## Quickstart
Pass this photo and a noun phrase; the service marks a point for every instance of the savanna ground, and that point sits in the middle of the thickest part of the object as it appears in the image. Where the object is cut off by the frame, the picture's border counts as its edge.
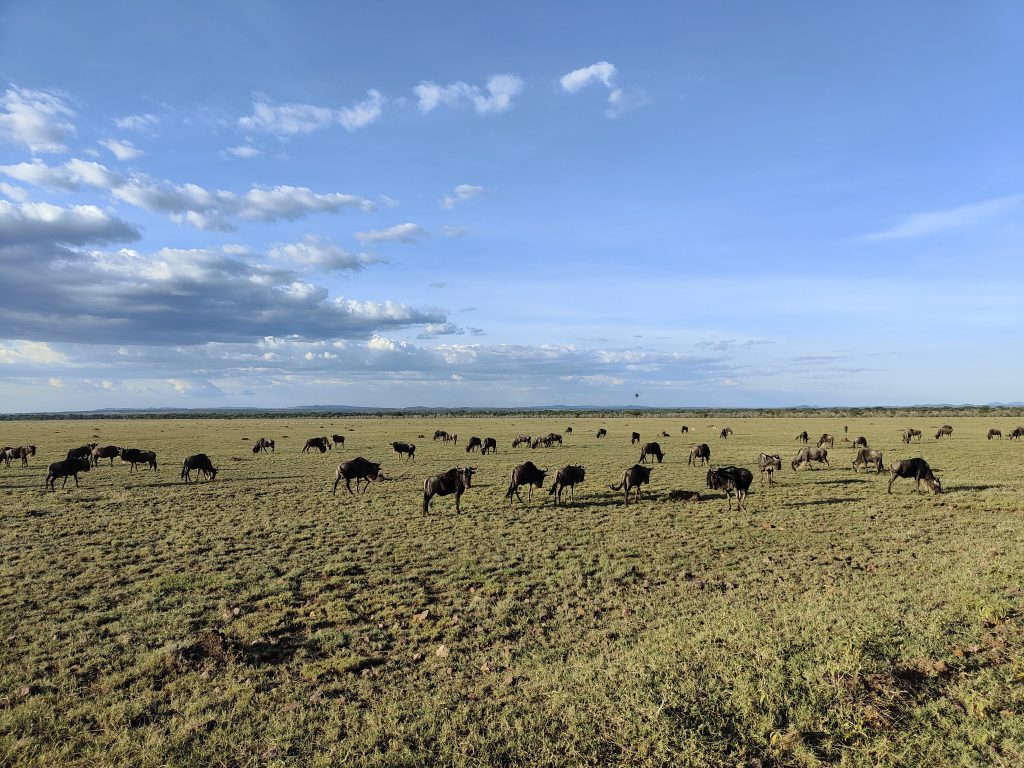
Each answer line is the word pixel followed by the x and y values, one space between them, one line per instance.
pixel 259 620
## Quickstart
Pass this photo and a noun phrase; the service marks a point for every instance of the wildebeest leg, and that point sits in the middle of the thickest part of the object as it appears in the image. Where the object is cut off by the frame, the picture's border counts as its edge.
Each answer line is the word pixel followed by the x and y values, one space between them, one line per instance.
pixel 740 496
pixel 76 480
pixel 458 497
pixel 892 477
pixel 516 491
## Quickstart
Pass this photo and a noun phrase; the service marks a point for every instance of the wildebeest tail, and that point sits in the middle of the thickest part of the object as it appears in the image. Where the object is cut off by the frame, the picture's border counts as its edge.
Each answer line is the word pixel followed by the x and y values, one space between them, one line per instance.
pixel 617 487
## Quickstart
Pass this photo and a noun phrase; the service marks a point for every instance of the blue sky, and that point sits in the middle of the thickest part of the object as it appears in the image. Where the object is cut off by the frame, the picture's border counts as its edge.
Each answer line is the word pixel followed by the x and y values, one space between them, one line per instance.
pixel 736 204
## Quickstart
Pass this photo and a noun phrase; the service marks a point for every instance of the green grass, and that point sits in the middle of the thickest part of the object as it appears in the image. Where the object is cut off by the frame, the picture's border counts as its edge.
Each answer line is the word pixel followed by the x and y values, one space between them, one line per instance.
pixel 832 624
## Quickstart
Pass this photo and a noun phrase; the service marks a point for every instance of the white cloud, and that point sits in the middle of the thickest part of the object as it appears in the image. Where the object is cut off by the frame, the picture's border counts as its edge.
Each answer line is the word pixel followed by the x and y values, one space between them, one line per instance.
pixel 400 233
pixel 244 151
pixel 315 253
pixel 31 352
pixel 55 383
pixel 39 120
pixel 41 223
pixel 462 192
pixel 136 122
pixel 605 74
pixel 295 119
pixel 362 113
pixel 961 217
pixel 14 193
pixel 122 150
pixel 69 176
pixel 496 96
pixel 433 330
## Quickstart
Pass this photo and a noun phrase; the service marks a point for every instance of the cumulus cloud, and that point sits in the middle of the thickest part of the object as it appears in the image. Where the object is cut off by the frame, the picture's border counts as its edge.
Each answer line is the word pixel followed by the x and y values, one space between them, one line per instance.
pixel 316 254
pixel 30 352
pixel 42 223
pixel 433 330
pixel 296 119
pixel 462 192
pixel 70 176
pixel 400 233
pixel 39 120
pixel 605 74
pixel 136 122
pixel 122 150
pixel 496 96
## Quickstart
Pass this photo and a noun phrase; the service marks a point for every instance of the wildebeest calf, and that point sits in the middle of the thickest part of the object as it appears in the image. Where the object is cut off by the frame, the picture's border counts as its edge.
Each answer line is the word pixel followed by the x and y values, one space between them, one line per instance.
pixel 651 449
pixel 808 455
pixel 567 477
pixel 358 469
pixel 67 468
pixel 768 463
pixel 732 480
pixel 919 470
pixel 455 481
pixel 201 463
pixel 634 477
pixel 867 456
pixel 525 474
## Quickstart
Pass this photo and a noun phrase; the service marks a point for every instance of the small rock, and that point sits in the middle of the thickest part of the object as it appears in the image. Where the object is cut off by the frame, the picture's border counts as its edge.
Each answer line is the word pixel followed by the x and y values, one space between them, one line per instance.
pixel 417 656
pixel 422 615
pixel 26 690
pixel 442 652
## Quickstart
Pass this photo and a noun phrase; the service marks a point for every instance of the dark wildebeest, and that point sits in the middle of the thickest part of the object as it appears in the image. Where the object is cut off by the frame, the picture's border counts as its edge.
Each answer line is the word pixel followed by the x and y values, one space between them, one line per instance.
pixel 827 438
pixel 134 456
pixel 337 439
pixel 846 429
pixel 201 463
pixel 106 452
pixel 568 430
pixel 665 434
pixel 995 433
pixel 83 452
pixel 23 452
pixel 406 449
pixel 525 474
pixel 732 480
pixel 685 429
pixel 536 441
pixel 263 444
pixel 67 468
pixel 917 469
pixel 725 433
pixel 602 432
pixel 522 440
pixel 867 456
pixel 803 437
pixel 914 433
pixel 490 445
pixel 860 442
pixel 359 469
pixel 1017 433
pixel 320 443
pixel 635 438
pixel 683 496
pixel 455 481
pixel 440 433
pixel 473 444
pixel 552 438
pixel 651 449
pixel 944 430
pixel 700 452
pixel 768 463
pixel 632 478
pixel 808 455
pixel 906 436
pixel 5 455
pixel 567 477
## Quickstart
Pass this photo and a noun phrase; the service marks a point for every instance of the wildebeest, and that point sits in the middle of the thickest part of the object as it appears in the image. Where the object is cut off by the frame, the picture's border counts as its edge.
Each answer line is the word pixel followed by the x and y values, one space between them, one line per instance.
pixel 490 445
pixel 263 444
pixel 808 455
pixel 906 436
pixel 453 439
pixel 768 463
pixel 684 429
pixel 635 438
pixel 22 452
pixel 1017 433
pixel 404 449
pixel 322 444
pixel 827 438
pixel 919 470
pixel 683 496
pixel 358 469
pixel 860 442
pixel 105 452
pixel 602 432
pixel 552 438
pixel 846 429
pixel 525 474
pixel 700 452
pixel 946 430
pixel 521 440
pixel 867 456
pixel 201 463
pixel 82 452
pixel 536 441
pixel 455 481
pixel 912 433
pixel 732 480
pixel 67 468
pixel 135 456
pixel 725 433
pixel 634 477
pixel 567 477
pixel 803 437
pixel 473 444
pixel 665 434
pixel 440 434
pixel 995 433
pixel 651 449
pixel 337 439
pixel 568 430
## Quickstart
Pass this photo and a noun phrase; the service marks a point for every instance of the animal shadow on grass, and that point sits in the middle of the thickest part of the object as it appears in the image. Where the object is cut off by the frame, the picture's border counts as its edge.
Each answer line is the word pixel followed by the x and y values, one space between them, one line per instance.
pixel 833 500
pixel 970 488
pixel 848 480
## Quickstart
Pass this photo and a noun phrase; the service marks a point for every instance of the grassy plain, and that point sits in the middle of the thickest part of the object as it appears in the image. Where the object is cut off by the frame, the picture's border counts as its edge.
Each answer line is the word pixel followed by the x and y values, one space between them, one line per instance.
pixel 258 620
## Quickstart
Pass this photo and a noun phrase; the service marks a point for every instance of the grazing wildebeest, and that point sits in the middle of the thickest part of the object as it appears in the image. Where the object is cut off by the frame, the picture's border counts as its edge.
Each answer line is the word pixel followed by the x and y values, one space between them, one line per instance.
pixel 917 469
pixel 685 429
pixel 106 452
pixel 453 439
pixel 263 444
pixel 944 430
pixel 568 430
pixel 521 440
pixel 1017 433
pixel 23 452
pixel 808 455
pixel 473 444
pixel 860 442
pixel 732 480
pixel 995 433
pixel 602 432
pixel 201 463
pixel 455 481
pixel 725 433
pixel 632 478
pixel 914 433
pixel 867 456
pixel 440 433
pixel 406 449
pixel 768 463
pixel 490 445
pixel 567 477
pixel 358 469
pixel 135 456
pixel 827 438
pixel 683 496
pixel 525 474
pixel 803 437
pixel 338 440
pixel 536 441
pixel 701 452
pixel 552 438
pixel 320 443
pixel 635 438
pixel 906 436
pixel 651 449
pixel 67 468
